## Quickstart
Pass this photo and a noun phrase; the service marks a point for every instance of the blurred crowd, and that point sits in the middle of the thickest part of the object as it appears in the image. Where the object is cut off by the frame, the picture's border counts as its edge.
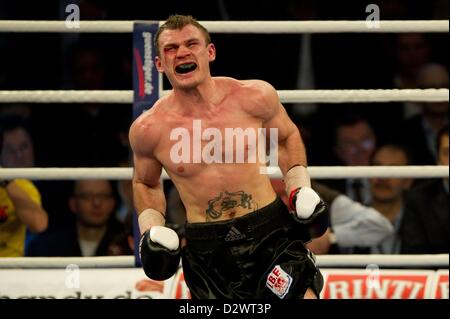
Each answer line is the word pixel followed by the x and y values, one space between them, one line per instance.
pixel 95 217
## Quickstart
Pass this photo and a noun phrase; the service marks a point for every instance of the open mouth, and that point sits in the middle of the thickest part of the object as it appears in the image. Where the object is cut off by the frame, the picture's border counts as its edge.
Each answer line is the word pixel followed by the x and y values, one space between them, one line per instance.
pixel 185 68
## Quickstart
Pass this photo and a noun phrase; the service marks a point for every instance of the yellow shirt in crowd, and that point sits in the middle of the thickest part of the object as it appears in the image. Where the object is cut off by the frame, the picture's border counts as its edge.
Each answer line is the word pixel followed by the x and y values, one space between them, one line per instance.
pixel 12 230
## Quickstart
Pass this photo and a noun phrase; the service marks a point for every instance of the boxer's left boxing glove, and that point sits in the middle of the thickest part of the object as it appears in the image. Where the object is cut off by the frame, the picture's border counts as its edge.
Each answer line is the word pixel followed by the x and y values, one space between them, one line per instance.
pixel 160 252
pixel 310 210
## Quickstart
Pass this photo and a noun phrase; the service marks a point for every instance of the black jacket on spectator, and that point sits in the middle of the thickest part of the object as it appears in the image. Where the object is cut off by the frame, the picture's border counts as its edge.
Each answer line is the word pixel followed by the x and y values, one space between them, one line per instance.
pixel 64 242
pixel 425 227
pixel 414 138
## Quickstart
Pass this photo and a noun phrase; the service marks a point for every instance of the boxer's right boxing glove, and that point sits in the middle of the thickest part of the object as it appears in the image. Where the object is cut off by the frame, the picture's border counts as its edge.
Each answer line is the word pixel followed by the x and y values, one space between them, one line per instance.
pixel 160 252
pixel 310 210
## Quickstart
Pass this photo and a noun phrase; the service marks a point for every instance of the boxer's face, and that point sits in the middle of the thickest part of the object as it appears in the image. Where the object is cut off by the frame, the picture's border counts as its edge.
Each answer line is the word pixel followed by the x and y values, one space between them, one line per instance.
pixel 185 56
pixel 389 189
pixel 93 202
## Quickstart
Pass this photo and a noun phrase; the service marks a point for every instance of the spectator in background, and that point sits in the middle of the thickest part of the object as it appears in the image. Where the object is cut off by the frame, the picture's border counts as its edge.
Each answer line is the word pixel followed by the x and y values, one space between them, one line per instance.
pixel 425 227
pixel 412 52
pixel 123 242
pixel 93 202
pixel 388 196
pixel 98 143
pixel 19 151
pixel 420 131
pixel 20 201
pixel 22 110
pixel 355 143
pixel 93 134
pixel 125 191
pixel 17 145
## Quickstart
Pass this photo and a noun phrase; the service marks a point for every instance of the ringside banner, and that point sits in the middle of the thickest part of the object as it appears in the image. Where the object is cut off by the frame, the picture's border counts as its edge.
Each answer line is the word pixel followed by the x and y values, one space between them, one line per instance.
pixel 131 283
pixel 145 84
pixel 127 283
pixel 440 286
pixel 385 284
pixel 145 75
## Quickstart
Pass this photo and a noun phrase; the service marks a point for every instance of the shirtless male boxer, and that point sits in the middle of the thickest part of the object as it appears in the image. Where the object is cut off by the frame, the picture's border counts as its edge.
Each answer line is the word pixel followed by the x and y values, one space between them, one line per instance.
pixel 241 240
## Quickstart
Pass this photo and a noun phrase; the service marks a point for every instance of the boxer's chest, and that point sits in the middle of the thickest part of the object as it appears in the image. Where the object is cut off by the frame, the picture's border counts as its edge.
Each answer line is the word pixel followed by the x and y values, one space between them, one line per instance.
pixel 189 144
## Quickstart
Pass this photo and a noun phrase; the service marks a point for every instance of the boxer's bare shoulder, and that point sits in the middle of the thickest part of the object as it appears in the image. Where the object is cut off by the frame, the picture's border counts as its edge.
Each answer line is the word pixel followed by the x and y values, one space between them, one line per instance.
pixel 146 129
pixel 260 98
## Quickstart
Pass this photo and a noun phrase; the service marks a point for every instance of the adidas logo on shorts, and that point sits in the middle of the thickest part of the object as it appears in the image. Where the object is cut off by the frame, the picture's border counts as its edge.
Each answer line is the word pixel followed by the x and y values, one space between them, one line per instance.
pixel 234 234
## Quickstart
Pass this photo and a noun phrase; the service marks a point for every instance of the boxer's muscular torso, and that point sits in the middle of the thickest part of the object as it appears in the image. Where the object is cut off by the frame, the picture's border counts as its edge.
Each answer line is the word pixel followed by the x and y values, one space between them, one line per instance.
pixel 215 191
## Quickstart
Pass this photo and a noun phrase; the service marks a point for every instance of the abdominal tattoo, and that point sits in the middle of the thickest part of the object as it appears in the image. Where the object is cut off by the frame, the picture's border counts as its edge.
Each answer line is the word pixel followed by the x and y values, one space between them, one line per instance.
pixel 227 201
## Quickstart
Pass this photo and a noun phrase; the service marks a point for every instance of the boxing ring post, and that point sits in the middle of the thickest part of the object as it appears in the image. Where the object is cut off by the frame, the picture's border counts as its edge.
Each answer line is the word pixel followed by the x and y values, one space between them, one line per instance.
pixel 146 86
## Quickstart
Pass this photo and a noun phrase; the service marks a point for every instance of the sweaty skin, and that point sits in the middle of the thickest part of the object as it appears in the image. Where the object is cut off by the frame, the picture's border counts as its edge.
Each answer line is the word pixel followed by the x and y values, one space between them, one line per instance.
pixel 215 191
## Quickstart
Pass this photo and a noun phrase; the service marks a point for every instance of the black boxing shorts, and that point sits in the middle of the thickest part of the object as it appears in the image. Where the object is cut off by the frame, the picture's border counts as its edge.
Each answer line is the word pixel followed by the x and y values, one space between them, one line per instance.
pixel 257 256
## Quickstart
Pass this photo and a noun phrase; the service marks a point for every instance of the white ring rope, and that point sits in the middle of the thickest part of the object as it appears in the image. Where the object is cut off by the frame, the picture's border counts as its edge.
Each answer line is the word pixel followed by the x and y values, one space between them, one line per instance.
pixel 66 96
pixel 325 261
pixel 341 26
pixel 286 96
pixel 363 96
pixel 63 262
pixel 319 172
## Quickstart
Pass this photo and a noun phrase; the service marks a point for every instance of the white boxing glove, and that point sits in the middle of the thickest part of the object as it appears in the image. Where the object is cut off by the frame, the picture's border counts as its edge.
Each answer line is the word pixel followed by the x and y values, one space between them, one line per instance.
pixel 310 210
pixel 165 236
pixel 304 201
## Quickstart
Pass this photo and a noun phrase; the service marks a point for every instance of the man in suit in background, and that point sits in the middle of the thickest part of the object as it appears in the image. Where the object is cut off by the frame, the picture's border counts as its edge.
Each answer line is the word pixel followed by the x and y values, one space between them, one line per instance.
pixel 425 224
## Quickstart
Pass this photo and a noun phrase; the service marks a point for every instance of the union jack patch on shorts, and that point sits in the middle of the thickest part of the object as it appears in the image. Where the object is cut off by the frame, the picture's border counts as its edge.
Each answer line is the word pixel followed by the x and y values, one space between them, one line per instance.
pixel 279 281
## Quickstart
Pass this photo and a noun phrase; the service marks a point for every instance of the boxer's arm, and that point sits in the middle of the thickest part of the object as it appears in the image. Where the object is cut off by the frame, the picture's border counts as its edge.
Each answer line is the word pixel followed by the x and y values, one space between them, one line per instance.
pixel 159 247
pixel 291 150
pixel 306 203
pixel 148 195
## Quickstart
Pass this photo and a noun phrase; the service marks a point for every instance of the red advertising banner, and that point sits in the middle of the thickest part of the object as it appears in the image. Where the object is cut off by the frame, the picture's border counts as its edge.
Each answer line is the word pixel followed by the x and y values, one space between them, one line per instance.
pixel 384 284
pixel 440 287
